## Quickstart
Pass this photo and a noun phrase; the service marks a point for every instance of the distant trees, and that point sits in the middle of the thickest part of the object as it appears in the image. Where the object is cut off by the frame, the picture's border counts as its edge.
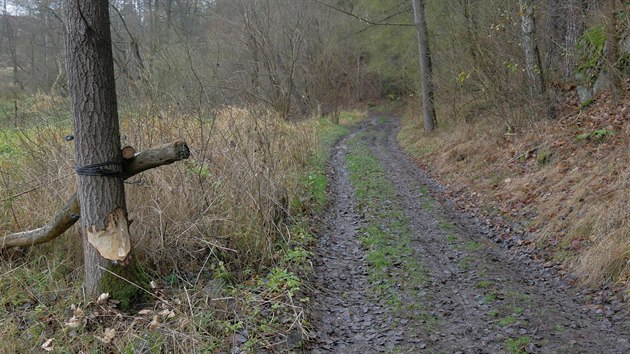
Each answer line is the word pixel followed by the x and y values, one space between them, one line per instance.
pixel 8 35
pixel 296 55
pixel 31 41
pixel 274 34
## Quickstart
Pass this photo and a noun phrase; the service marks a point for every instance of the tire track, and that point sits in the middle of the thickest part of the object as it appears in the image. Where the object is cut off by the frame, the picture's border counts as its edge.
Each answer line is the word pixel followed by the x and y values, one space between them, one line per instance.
pixel 479 298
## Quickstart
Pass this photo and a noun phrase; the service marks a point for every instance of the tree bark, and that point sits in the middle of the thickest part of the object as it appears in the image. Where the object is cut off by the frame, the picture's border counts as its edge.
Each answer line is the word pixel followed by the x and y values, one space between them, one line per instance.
pixel 612 54
pixel 533 66
pixel 426 72
pixel 90 68
pixel 574 10
pixel 530 46
pixel 70 213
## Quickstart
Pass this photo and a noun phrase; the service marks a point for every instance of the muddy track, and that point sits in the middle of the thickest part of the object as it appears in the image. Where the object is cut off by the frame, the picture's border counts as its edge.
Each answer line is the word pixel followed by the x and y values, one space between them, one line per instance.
pixel 477 296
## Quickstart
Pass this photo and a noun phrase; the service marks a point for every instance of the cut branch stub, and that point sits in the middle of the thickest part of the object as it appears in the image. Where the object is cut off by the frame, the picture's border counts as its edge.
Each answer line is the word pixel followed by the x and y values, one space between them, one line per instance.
pixel 70 213
pixel 155 157
pixel 128 152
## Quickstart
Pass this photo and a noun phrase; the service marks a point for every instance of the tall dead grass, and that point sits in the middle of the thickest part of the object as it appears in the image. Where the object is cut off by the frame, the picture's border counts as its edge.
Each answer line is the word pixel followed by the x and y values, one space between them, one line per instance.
pixel 227 202
pixel 609 256
pixel 215 233
pixel 229 199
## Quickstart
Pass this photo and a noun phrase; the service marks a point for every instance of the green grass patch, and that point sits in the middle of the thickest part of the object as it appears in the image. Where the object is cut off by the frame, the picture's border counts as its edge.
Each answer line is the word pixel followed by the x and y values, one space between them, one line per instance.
pixel 393 267
pixel 484 284
pixel 465 264
pixel 516 310
pixel 517 345
pixel 472 245
pixel 489 298
pixel 427 202
pixel 596 135
pixel 516 295
pixel 445 224
pixel 317 184
pixel 451 238
pixel 507 321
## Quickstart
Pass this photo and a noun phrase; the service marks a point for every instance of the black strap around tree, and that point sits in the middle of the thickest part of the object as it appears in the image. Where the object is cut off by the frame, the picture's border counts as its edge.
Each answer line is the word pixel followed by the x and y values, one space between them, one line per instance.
pixel 99 170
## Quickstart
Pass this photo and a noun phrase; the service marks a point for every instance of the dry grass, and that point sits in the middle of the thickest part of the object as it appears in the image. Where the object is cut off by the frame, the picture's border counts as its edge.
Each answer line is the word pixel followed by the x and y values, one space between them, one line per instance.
pixel 228 197
pixel 609 257
pixel 567 180
pixel 215 233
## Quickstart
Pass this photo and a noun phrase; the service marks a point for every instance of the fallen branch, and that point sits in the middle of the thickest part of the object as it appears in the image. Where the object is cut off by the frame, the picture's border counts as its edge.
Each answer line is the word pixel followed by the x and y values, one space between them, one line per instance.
pixel 70 213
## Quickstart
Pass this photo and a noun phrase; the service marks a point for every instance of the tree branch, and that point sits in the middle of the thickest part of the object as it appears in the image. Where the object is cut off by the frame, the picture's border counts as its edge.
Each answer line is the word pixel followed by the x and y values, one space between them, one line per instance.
pixel 70 213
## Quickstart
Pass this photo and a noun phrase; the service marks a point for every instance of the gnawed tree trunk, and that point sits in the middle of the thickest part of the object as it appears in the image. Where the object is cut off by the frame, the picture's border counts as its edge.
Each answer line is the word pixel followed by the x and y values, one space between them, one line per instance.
pixel 90 69
pixel 533 65
pixel 426 72
pixel 71 212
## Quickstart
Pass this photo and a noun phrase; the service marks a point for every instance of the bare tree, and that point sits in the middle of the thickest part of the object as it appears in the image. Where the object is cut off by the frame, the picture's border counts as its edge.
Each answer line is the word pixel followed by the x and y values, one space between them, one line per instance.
pixel 10 34
pixel 574 10
pixel 426 72
pixel 533 65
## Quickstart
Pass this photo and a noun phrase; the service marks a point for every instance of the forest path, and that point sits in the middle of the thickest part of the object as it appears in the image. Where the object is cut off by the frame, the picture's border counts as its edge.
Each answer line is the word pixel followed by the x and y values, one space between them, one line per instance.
pixel 398 272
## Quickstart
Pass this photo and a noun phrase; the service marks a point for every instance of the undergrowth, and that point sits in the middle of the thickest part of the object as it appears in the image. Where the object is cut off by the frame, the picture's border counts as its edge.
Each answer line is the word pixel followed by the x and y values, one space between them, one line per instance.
pixel 224 237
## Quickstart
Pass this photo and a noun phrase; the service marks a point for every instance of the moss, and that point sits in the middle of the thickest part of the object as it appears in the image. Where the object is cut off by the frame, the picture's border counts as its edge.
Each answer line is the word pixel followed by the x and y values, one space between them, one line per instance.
pixel 591 51
pixel 128 285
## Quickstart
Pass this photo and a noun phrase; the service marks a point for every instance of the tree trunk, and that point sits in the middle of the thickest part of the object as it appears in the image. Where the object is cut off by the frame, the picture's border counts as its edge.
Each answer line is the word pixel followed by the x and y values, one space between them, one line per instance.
pixel 574 10
pixel 90 68
pixel 532 57
pixel 426 73
pixel 612 54
pixel 471 31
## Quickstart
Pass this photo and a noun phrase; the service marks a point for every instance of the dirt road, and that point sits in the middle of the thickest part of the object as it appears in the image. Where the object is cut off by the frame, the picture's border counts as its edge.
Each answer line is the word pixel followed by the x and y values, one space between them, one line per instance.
pixel 399 272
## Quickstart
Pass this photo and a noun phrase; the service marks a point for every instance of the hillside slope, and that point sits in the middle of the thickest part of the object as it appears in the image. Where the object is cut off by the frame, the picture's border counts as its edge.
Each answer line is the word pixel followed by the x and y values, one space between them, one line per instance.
pixel 563 185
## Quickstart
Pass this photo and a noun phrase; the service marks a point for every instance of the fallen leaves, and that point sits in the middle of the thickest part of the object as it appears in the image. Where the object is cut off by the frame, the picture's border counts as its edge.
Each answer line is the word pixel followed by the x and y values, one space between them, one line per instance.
pixel 78 318
pixel 167 313
pixel 48 345
pixel 102 299
pixel 108 336
pixel 145 312
pixel 154 323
